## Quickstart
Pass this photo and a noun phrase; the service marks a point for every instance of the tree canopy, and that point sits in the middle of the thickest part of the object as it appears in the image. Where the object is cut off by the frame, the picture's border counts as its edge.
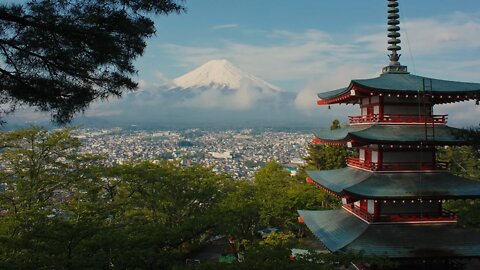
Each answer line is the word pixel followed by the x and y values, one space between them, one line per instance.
pixel 326 157
pixel 60 55
pixel 464 161
pixel 61 209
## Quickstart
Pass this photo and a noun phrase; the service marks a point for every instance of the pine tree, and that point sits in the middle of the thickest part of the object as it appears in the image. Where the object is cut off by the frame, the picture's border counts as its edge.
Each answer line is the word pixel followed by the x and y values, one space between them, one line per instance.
pixel 326 157
pixel 59 56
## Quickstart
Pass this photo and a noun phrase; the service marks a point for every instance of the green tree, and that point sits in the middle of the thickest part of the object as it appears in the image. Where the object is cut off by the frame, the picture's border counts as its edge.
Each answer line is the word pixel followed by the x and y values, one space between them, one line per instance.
pixel 239 212
pixel 64 210
pixel 279 196
pixel 335 124
pixel 465 162
pixel 271 183
pixel 59 56
pixel 326 157
pixel 271 199
pixel 164 209
pixel 279 257
pixel 50 205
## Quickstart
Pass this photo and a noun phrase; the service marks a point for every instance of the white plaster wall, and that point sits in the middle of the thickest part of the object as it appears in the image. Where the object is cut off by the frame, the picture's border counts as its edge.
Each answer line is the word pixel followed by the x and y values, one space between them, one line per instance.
pixel 371 206
pixel 374 156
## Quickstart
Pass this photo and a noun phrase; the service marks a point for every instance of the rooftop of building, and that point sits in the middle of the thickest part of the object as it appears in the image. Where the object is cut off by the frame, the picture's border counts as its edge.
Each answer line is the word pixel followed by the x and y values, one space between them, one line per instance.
pixel 340 231
pixel 375 185
pixel 391 134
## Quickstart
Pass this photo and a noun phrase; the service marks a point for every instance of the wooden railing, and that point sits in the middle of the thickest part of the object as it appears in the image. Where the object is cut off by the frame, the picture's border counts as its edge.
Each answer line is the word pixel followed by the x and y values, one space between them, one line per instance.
pixel 444 215
pixel 359 212
pixel 398 118
pixel 397 166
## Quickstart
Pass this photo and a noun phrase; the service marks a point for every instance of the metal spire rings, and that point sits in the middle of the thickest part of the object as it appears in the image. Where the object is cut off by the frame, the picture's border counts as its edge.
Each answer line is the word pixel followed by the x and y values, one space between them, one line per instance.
pixel 394 39
pixel 393 33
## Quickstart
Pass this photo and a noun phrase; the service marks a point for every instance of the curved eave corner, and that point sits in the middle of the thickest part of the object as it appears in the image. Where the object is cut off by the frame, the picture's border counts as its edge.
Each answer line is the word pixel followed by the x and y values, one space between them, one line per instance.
pixel 341 136
pixel 337 180
pixel 342 95
pixel 402 85
pixel 334 228
pixel 317 140
pixel 343 98
pixel 388 134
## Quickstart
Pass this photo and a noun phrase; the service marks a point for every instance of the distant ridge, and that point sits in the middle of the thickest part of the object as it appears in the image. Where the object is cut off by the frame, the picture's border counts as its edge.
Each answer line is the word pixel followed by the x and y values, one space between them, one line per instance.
pixel 221 74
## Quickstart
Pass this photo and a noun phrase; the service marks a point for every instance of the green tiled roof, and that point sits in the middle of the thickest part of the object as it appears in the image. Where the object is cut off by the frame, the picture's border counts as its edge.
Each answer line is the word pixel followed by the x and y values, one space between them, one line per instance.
pixel 341 231
pixel 338 180
pixel 334 93
pixel 335 228
pixel 417 240
pixel 406 83
pixel 391 134
pixel 364 184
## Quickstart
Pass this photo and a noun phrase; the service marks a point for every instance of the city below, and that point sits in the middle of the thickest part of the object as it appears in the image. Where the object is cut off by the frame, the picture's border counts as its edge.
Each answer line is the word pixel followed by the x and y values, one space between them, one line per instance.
pixel 237 153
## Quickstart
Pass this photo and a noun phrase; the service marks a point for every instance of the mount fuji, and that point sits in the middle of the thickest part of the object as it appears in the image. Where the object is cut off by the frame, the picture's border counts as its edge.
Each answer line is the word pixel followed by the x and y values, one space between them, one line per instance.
pixel 216 94
pixel 221 74
pixel 218 84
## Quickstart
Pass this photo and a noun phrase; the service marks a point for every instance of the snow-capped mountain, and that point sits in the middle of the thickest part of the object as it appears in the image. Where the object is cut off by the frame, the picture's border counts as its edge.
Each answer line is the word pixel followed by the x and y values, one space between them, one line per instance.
pixel 221 74
pixel 216 94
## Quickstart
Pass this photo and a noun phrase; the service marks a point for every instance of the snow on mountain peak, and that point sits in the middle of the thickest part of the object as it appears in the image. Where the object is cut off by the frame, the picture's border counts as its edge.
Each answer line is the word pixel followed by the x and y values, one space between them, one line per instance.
pixel 220 73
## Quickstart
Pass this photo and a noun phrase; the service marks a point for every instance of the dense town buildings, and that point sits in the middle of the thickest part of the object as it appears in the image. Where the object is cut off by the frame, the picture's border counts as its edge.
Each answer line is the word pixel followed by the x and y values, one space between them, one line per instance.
pixel 238 153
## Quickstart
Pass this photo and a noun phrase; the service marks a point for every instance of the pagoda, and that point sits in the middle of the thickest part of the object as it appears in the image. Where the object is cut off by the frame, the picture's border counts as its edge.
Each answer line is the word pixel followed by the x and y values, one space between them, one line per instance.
pixel 393 190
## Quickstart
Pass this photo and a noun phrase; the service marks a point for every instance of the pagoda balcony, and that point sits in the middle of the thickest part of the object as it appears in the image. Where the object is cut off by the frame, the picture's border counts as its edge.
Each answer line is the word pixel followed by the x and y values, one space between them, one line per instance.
pixel 443 216
pixel 397 166
pixel 398 119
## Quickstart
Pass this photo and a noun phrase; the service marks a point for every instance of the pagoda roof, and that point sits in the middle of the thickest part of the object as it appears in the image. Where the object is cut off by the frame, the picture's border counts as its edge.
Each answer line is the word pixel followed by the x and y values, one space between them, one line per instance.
pixel 341 231
pixel 390 134
pixel 376 185
pixel 398 83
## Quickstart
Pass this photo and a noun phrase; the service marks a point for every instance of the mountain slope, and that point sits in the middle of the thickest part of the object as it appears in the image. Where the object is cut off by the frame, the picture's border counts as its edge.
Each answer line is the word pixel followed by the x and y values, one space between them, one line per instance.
pixel 221 74
pixel 216 94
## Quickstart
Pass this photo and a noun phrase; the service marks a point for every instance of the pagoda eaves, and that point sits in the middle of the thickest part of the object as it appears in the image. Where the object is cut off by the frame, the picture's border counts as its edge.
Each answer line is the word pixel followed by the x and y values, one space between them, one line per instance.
pixel 393 189
pixel 391 185
pixel 389 134
pixel 341 231
pixel 404 86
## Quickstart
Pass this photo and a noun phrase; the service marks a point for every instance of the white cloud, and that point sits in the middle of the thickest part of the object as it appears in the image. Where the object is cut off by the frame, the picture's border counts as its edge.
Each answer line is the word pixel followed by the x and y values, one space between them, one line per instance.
pixel 428 36
pixel 335 79
pixel 161 78
pixel 302 55
pixel 242 99
pixel 310 54
pixel 225 26
pixel 142 84
pixel 461 114
pixel 321 62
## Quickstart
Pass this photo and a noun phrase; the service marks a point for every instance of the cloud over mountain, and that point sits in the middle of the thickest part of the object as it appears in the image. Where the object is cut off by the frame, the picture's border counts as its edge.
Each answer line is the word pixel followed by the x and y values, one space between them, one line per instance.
pixel 220 84
pixel 215 94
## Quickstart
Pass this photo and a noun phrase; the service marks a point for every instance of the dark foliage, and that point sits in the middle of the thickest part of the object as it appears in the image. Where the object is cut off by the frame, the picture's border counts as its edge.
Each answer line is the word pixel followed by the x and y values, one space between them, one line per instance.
pixel 326 157
pixel 60 55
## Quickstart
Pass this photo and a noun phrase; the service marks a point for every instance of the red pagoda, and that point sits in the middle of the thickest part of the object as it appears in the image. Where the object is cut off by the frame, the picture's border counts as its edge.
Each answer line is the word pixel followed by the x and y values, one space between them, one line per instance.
pixel 392 193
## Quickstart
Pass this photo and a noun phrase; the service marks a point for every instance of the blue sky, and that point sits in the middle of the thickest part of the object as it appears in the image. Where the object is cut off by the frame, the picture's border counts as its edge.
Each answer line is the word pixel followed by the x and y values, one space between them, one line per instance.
pixel 274 39
pixel 311 46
